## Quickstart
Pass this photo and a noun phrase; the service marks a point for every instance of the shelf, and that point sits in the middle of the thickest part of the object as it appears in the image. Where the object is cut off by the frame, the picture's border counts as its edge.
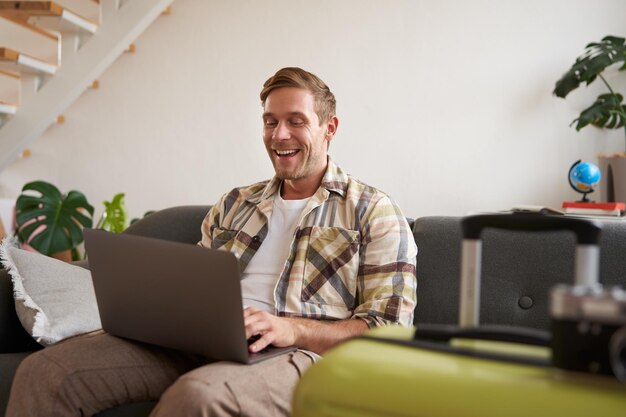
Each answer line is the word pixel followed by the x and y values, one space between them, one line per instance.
pixel 47 14
pixel 14 61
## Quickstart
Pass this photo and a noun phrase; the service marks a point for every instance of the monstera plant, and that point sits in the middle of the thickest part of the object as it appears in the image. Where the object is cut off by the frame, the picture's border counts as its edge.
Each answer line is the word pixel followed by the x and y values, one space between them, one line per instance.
pixel 607 111
pixel 52 222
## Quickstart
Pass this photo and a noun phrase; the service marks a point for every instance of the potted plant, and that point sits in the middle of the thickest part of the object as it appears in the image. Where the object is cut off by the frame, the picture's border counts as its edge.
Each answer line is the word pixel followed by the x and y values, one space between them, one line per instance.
pixel 607 111
pixel 114 218
pixel 52 222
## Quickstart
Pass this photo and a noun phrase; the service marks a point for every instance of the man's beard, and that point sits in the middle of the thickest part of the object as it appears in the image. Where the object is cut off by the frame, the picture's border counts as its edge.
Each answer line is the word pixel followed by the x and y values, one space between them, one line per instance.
pixel 301 171
pixel 290 175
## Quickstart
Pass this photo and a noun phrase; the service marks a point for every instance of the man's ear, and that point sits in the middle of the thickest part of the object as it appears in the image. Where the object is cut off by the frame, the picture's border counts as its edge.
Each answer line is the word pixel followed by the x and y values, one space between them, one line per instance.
pixel 331 128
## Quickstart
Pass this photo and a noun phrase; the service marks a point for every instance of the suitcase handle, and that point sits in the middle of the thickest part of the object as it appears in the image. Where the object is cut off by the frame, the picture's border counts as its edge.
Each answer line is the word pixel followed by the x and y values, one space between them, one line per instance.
pixel 457 350
pixel 511 334
pixel 587 231
pixel 587 252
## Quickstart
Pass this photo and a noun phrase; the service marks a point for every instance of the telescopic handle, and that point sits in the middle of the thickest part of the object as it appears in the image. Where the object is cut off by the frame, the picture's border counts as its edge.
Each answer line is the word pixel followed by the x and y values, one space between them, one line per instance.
pixel 587 231
pixel 587 251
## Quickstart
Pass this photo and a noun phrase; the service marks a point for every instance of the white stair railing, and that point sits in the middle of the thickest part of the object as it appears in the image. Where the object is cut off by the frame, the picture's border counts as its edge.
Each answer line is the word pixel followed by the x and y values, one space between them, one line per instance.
pixel 87 49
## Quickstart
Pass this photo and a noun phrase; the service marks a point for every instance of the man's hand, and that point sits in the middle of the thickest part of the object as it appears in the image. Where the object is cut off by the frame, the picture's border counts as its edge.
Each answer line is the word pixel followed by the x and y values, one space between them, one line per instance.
pixel 277 331
pixel 314 335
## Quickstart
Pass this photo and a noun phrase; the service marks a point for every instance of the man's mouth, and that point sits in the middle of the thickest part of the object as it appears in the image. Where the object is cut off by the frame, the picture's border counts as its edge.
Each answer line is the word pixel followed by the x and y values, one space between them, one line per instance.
pixel 286 153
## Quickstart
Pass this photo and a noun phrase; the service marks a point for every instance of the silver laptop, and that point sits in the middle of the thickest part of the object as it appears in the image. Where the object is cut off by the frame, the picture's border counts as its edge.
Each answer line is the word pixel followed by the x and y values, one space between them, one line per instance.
pixel 171 294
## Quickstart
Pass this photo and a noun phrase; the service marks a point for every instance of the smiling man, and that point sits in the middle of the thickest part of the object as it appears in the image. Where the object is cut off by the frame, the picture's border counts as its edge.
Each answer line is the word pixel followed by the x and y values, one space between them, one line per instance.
pixel 297 139
pixel 323 257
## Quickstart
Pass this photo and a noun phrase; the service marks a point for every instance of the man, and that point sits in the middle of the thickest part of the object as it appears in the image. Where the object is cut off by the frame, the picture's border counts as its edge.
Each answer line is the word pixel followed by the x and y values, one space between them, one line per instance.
pixel 323 257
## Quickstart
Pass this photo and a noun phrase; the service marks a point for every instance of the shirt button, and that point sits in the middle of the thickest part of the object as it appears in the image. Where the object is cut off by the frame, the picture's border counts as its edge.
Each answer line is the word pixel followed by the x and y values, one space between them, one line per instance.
pixel 256 239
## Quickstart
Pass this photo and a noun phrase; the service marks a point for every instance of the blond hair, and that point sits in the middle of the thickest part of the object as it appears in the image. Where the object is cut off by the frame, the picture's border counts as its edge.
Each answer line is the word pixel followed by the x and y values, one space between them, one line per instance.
pixel 325 104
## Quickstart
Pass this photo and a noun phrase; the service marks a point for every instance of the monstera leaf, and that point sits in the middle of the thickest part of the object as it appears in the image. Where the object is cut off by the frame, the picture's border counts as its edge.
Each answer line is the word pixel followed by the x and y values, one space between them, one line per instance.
pixel 608 110
pixel 114 217
pixel 597 57
pixel 49 221
pixel 604 113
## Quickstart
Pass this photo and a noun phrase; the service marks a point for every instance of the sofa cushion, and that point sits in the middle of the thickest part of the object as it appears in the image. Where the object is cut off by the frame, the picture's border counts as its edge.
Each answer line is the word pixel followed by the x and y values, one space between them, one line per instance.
pixel 54 300
pixel 178 224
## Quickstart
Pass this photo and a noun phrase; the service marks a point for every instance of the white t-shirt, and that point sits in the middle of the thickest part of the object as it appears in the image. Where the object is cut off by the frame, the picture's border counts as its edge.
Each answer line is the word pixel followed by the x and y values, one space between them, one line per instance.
pixel 262 273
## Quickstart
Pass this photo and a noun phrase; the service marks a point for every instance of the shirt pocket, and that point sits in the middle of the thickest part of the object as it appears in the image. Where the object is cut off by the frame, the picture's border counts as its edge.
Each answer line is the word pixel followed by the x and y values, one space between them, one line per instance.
pixel 223 238
pixel 331 267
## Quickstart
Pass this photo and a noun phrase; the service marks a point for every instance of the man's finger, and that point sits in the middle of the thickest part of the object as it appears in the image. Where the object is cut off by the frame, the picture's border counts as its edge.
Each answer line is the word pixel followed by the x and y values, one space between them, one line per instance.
pixel 250 311
pixel 261 344
pixel 256 324
pixel 254 318
pixel 254 329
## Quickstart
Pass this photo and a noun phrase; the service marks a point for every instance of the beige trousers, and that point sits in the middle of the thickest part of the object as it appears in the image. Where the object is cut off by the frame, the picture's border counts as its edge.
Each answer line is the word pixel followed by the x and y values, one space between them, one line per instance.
pixel 88 374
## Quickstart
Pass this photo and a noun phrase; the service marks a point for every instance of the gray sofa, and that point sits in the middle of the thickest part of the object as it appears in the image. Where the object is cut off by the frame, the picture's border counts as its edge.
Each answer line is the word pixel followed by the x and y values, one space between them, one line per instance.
pixel 518 270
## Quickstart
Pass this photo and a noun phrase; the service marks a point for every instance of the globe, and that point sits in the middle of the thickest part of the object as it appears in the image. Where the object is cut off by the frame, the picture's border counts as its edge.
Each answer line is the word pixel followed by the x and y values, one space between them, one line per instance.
pixel 584 176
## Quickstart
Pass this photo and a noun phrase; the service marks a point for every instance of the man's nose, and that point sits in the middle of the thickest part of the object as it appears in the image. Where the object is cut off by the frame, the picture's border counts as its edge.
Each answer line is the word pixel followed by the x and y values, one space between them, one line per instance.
pixel 281 132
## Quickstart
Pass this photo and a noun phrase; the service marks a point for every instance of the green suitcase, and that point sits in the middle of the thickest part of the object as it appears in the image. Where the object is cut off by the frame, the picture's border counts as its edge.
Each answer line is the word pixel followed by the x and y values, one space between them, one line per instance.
pixel 471 370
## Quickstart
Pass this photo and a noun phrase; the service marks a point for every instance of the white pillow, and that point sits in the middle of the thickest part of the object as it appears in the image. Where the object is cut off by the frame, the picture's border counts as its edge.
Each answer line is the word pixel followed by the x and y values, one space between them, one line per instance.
pixel 54 300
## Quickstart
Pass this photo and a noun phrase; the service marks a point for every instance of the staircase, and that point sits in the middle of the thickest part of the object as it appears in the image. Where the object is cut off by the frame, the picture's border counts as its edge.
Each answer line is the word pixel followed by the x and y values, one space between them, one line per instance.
pixel 85 49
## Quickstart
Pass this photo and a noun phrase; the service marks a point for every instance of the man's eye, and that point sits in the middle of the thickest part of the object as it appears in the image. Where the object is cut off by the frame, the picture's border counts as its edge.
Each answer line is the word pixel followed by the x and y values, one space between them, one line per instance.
pixel 296 122
pixel 270 123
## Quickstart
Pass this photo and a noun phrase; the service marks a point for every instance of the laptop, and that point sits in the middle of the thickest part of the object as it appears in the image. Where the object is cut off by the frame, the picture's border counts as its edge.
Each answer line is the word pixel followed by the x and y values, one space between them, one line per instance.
pixel 171 294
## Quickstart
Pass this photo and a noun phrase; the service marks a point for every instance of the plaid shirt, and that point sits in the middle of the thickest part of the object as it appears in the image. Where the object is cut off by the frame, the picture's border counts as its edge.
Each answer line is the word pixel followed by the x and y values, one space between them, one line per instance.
pixel 352 255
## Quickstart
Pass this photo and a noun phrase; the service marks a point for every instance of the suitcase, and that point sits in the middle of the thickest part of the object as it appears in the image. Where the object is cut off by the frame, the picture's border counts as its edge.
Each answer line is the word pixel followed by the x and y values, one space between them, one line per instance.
pixel 473 370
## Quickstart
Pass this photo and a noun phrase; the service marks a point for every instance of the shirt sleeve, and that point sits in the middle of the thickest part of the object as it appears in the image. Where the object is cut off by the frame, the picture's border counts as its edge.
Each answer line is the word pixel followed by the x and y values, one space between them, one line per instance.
pixel 210 222
pixel 386 281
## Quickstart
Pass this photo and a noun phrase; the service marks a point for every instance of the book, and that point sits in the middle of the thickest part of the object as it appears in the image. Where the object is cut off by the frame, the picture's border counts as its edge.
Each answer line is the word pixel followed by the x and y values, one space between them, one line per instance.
pixel 596 209
pixel 594 205
pixel 525 208
pixel 594 212
pixel 546 210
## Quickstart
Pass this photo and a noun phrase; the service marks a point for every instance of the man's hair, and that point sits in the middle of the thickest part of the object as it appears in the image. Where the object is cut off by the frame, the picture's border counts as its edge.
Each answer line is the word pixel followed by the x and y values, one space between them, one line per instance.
pixel 297 77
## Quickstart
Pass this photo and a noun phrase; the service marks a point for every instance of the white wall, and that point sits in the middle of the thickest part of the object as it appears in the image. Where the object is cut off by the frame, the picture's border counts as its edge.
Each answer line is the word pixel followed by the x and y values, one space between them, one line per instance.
pixel 446 105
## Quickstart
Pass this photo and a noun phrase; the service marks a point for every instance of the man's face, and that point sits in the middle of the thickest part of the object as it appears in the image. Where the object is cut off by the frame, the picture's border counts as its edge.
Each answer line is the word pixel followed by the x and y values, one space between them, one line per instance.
pixel 296 143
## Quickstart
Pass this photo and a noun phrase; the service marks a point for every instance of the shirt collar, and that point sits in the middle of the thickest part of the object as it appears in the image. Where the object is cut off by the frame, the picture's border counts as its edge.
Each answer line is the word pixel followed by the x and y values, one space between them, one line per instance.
pixel 334 180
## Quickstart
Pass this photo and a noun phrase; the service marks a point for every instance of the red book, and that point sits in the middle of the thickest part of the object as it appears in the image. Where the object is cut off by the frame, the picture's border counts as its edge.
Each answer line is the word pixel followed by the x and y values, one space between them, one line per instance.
pixel 601 209
pixel 590 205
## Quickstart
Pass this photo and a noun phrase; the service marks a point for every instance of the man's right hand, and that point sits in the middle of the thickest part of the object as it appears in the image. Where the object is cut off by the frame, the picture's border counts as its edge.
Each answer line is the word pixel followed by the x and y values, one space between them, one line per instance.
pixel 315 335
pixel 277 331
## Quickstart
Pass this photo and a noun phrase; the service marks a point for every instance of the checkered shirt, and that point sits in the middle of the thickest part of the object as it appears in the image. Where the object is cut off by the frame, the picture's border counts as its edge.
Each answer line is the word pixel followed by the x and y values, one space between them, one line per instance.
pixel 352 255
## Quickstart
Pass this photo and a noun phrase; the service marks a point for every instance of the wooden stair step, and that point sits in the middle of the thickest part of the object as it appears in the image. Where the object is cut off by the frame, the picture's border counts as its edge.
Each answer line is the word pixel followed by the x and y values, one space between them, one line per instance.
pixel 47 14
pixel 9 74
pixel 16 62
pixel 7 108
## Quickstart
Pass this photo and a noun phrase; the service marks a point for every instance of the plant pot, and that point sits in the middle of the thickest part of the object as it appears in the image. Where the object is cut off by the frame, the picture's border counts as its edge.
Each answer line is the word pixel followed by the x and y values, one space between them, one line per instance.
pixel 65 256
pixel 613 183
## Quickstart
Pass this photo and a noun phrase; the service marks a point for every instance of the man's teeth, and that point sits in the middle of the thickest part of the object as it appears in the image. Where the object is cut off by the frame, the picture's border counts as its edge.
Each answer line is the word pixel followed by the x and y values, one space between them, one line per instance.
pixel 285 153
